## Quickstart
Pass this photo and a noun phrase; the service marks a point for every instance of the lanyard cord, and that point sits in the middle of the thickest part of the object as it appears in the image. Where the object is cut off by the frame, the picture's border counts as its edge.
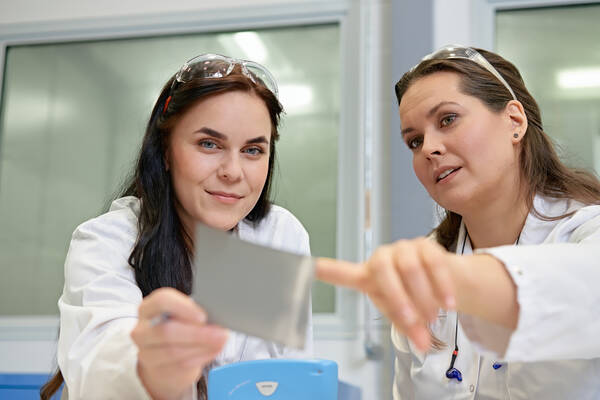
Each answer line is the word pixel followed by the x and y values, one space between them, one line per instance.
pixel 455 352
pixel 453 372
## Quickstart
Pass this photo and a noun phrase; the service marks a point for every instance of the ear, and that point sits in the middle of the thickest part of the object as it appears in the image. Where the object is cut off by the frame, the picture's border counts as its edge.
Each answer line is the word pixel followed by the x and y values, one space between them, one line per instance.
pixel 517 119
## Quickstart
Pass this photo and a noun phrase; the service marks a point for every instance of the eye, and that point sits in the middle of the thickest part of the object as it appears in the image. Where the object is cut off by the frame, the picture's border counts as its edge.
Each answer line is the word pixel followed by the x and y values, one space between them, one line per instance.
pixel 254 151
pixel 207 144
pixel 447 120
pixel 414 142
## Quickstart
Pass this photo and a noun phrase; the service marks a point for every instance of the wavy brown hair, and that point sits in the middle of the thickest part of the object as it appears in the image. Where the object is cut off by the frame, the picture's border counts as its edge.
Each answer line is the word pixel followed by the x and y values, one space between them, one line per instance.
pixel 161 256
pixel 540 166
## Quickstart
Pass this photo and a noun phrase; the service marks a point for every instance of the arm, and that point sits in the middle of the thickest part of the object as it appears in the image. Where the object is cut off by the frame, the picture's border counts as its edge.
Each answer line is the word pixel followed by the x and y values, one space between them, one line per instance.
pixel 485 289
pixel 410 280
pixel 99 315
pixel 98 310
pixel 556 290
pixel 556 287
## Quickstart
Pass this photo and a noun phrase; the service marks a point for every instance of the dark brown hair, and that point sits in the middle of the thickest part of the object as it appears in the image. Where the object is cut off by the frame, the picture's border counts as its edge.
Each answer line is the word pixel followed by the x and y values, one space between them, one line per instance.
pixel 162 253
pixel 541 168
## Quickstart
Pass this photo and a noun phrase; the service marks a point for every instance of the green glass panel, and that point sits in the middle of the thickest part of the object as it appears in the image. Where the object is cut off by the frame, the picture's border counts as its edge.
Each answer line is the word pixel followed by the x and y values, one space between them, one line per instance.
pixel 72 118
pixel 556 50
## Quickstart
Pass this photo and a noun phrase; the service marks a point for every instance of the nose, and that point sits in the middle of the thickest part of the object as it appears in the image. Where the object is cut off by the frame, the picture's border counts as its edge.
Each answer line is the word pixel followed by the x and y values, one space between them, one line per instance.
pixel 230 168
pixel 433 144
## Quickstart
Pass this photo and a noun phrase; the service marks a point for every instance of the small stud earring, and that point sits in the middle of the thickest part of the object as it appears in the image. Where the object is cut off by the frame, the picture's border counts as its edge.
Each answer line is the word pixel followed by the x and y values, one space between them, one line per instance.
pixel 516 135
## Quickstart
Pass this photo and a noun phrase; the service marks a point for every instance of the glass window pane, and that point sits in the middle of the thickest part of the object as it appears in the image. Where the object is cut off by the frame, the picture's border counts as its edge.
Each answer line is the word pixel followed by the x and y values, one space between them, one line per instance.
pixel 72 118
pixel 556 50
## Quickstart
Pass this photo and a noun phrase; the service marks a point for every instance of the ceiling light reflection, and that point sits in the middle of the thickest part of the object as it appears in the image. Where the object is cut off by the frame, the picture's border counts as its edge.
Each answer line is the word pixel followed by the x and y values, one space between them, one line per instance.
pixel 252 45
pixel 296 97
pixel 579 78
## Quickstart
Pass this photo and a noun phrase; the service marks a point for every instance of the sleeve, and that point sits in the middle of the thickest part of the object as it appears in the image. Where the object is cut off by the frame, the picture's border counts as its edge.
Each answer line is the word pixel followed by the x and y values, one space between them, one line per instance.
pixel 98 308
pixel 558 296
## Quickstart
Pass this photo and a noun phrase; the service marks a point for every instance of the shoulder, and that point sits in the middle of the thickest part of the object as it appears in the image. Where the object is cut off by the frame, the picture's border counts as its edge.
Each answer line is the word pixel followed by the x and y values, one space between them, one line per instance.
pixel 103 244
pixel 582 222
pixel 282 218
pixel 120 220
pixel 585 224
pixel 279 229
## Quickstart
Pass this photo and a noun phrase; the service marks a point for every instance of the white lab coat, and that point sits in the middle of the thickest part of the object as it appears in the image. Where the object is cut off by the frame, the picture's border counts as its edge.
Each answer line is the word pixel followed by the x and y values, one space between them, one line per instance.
pixel 555 351
pixel 100 300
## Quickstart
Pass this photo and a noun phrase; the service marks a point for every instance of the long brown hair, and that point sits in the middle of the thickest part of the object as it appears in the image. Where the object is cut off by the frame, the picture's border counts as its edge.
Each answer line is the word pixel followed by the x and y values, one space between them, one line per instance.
pixel 162 253
pixel 540 166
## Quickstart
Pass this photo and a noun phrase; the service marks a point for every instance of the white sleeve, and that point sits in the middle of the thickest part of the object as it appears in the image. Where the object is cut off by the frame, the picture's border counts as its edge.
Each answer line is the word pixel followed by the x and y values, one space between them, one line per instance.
pixel 99 308
pixel 558 296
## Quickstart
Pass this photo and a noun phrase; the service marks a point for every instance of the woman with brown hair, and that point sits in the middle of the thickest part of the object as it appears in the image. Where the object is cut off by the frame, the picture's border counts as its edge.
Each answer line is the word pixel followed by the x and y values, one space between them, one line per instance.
pixel 207 156
pixel 501 301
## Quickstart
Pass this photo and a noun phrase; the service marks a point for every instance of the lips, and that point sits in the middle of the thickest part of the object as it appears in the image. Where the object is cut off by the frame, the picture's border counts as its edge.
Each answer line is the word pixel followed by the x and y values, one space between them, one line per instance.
pixel 225 194
pixel 444 172
pixel 225 197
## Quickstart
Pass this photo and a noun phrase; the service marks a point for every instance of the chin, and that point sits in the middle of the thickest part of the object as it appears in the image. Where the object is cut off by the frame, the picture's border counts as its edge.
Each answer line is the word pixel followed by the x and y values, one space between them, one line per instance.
pixel 224 221
pixel 450 203
pixel 222 225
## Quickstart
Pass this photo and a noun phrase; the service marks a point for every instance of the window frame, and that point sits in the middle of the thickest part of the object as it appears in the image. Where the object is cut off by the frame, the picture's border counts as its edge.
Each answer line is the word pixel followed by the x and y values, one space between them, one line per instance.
pixel 483 18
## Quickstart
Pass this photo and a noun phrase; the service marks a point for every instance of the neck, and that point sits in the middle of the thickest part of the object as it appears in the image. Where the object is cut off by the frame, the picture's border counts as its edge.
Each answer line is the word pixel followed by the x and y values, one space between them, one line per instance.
pixel 499 223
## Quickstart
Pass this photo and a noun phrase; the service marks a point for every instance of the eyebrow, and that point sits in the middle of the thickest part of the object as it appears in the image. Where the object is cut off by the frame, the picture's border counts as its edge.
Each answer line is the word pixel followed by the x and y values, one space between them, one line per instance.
pixel 432 111
pixel 218 135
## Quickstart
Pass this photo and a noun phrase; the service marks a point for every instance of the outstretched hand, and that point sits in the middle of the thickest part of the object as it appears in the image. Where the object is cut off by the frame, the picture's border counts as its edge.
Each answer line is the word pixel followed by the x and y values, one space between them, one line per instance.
pixel 408 281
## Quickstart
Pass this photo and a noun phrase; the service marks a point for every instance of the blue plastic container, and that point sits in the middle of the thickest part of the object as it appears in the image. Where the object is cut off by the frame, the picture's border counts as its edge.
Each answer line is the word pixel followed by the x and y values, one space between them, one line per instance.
pixel 274 379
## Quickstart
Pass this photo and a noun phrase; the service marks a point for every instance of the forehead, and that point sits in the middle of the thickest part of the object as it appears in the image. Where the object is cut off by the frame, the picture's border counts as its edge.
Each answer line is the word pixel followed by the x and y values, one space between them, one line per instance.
pixel 431 90
pixel 235 112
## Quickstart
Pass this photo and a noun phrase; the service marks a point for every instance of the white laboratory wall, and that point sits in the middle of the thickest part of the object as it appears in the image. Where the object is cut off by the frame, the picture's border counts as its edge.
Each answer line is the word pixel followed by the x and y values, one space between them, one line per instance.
pixel 372 19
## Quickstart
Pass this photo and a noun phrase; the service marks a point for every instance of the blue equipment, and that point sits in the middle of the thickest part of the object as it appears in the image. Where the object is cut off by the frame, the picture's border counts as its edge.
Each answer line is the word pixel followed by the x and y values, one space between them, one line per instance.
pixel 274 379
pixel 24 386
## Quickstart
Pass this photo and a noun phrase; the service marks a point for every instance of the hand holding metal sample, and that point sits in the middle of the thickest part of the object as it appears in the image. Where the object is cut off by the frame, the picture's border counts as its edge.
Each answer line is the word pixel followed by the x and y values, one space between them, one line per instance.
pixel 251 288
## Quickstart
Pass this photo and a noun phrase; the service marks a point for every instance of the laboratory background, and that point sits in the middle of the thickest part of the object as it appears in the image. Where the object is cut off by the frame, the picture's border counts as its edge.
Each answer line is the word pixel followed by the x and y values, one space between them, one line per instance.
pixel 79 78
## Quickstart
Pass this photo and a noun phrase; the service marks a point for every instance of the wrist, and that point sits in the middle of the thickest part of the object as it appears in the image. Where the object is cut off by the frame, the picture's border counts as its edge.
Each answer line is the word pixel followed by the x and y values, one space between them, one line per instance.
pixel 465 282
pixel 155 393
pixel 485 289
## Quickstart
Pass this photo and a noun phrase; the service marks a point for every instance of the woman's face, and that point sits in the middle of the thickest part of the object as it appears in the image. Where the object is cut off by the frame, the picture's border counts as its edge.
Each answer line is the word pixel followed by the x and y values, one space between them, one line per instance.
pixel 218 158
pixel 464 154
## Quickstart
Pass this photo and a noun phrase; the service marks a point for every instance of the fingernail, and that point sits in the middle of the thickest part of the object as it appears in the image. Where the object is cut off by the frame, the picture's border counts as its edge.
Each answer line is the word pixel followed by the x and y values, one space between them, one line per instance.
pixel 450 303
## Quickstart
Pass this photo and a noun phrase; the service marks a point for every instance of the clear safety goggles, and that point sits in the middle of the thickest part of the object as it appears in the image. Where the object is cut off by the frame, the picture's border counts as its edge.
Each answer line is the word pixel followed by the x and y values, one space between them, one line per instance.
pixel 456 51
pixel 218 66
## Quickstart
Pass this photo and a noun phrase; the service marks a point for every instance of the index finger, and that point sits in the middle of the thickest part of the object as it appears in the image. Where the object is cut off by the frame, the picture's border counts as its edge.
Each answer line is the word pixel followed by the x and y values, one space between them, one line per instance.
pixel 172 302
pixel 337 272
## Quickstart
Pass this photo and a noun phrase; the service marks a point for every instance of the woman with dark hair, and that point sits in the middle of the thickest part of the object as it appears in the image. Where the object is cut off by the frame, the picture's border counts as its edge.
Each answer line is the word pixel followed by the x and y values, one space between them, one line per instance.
pixel 207 156
pixel 500 302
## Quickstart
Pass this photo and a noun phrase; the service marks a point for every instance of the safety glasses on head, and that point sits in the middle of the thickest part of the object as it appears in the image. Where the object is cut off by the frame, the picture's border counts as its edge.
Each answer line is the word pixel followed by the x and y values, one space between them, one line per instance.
pixel 468 53
pixel 218 66
pixel 207 66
